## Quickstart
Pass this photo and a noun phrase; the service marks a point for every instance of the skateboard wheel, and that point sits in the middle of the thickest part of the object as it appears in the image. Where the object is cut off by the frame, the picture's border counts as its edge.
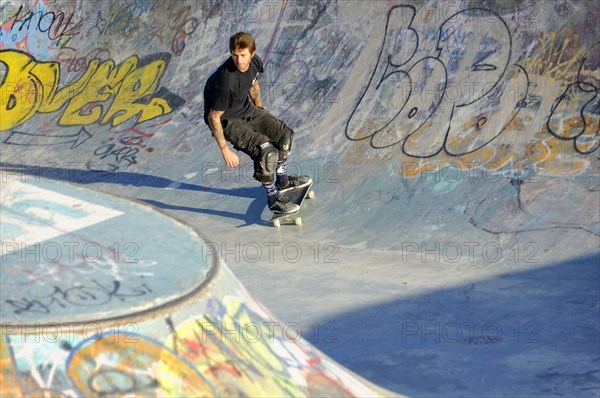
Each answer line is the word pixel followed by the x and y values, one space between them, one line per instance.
pixel 277 223
pixel 298 221
pixel 311 194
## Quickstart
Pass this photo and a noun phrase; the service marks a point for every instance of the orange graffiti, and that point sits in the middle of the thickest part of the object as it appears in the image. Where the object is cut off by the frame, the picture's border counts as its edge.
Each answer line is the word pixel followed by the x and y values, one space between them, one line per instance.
pixel 244 356
pixel 234 354
pixel 9 383
pixel 113 366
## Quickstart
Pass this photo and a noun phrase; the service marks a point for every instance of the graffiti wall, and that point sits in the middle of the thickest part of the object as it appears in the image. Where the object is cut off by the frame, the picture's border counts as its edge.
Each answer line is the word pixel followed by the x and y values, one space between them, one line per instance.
pixel 475 86
pixel 507 84
pixel 59 74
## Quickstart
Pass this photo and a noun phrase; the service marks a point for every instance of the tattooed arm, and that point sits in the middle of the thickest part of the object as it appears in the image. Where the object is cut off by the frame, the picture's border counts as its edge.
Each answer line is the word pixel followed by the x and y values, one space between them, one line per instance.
pixel 255 94
pixel 230 157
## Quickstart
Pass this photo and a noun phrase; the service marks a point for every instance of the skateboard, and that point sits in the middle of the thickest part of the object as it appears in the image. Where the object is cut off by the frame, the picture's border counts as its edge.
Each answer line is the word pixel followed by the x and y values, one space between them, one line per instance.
pixel 297 196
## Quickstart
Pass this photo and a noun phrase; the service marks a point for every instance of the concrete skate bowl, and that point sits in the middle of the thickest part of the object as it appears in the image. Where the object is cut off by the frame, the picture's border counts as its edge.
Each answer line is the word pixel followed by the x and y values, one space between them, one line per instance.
pixel 454 148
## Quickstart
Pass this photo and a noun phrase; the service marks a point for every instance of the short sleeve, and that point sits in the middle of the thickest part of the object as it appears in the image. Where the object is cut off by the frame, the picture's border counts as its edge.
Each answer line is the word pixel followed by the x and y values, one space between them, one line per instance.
pixel 258 64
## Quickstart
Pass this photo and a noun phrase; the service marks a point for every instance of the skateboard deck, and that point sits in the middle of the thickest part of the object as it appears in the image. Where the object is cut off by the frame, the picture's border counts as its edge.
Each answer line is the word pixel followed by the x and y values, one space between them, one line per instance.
pixel 297 196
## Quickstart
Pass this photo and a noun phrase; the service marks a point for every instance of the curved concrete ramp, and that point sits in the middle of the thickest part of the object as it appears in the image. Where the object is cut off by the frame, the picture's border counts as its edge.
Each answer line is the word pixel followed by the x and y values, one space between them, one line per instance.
pixel 102 296
pixel 453 247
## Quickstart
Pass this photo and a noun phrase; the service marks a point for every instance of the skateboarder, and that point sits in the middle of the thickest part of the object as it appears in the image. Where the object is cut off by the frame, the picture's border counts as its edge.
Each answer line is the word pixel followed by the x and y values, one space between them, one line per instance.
pixel 233 111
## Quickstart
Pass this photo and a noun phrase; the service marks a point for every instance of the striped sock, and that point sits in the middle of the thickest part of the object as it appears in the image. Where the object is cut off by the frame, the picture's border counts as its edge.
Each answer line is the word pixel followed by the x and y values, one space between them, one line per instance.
pixel 272 192
pixel 281 172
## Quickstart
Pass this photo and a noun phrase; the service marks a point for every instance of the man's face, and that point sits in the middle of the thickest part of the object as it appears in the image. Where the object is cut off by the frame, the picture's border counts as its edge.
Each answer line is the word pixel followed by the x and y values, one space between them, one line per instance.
pixel 242 58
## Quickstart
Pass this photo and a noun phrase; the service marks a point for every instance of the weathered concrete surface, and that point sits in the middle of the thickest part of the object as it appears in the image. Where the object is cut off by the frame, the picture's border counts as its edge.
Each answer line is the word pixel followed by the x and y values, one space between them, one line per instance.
pixel 453 249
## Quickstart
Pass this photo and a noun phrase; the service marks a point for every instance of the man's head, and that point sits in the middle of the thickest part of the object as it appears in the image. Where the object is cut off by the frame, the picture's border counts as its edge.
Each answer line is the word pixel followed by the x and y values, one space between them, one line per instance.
pixel 242 48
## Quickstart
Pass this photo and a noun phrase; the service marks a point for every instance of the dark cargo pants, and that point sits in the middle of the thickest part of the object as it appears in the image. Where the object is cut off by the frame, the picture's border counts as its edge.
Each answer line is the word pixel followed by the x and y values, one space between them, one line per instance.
pixel 253 131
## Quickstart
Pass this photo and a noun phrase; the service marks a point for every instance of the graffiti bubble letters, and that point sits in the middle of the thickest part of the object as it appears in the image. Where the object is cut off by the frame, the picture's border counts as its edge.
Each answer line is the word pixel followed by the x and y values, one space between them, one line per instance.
pixel 581 103
pixel 31 86
pixel 469 68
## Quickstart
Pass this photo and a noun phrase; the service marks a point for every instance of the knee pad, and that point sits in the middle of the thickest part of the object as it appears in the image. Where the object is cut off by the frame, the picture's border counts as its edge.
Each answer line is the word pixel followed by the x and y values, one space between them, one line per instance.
pixel 285 144
pixel 266 163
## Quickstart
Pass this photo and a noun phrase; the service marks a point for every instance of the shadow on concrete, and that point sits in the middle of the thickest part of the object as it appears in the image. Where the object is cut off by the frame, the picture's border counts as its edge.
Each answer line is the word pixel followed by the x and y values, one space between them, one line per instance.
pixel 503 336
pixel 78 176
pixel 250 217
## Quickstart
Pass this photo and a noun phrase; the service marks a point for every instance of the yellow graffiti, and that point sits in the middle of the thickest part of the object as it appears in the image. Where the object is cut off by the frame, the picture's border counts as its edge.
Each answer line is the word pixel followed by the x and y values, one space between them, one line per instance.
pixel 9 383
pixel 233 353
pixel 26 86
pixel 549 157
pixel 31 86
pixel 490 159
pixel 116 367
pixel 45 393
pixel 243 356
pixel 559 161
pixel 554 58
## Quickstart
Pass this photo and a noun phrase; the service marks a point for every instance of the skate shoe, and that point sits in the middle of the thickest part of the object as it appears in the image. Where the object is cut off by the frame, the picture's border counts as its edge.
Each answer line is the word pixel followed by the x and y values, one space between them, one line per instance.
pixel 284 206
pixel 293 181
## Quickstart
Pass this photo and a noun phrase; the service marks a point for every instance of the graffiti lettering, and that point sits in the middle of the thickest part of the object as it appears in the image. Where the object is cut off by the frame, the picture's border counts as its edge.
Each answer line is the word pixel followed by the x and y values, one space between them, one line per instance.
pixel 124 19
pixel 184 25
pixel 51 23
pixel 581 103
pixel 80 295
pixel 77 62
pixel 31 86
pixel 120 154
pixel 417 90
pixel 459 89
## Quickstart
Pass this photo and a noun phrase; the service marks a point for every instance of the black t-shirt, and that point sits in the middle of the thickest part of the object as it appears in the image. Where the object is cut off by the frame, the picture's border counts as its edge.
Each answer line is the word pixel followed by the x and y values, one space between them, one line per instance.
pixel 227 89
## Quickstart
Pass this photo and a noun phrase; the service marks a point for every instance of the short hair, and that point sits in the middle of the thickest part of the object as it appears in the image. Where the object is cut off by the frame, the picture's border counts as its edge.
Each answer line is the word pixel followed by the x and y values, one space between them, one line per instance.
pixel 242 40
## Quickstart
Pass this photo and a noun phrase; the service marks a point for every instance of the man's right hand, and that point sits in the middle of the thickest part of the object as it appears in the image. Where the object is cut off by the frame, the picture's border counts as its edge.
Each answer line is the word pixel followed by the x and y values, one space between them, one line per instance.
pixel 230 157
pixel 214 120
